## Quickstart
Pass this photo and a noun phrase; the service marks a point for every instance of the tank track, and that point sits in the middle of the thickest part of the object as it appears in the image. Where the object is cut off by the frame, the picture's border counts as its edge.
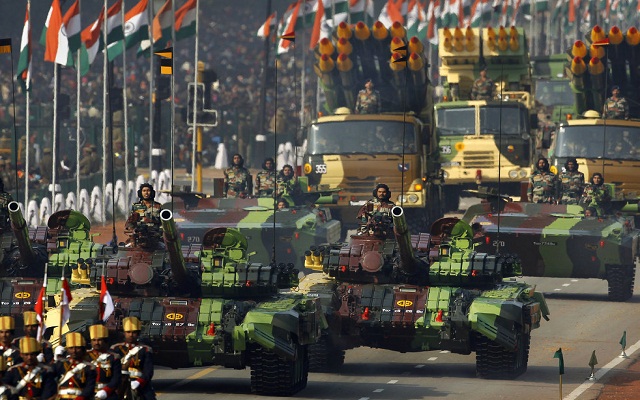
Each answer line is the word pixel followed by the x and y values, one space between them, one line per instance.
pixel 621 279
pixel 495 362
pixel 324 356
pixel 271 375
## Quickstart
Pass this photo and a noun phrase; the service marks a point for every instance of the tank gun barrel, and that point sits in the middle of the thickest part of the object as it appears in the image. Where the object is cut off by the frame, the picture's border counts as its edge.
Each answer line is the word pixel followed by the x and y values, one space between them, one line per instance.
pixel 172 242
pixel 408 262
pixel 21 231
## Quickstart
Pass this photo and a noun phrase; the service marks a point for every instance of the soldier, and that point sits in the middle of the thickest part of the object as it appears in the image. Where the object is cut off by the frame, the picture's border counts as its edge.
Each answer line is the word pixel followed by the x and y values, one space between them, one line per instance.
pixel 542 184
pixel 286 182
pixel 77 376
pixel 571 182
pixel 368 100
pixel 483 87
pixel 85 162
pixel 10 352
pixel 616 106
pixel 46 166
pixel 596 195
pixel 145 213
pixel 107 364
pixel 237 180
pixel 30 379
pixel 380 203
pixel 266 179
pixel 137 361
pixel 31 326
pixel 282 204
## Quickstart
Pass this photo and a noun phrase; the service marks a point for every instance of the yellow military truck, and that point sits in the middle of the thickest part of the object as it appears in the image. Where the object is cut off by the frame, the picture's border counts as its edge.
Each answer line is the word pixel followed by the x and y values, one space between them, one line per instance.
pixel 489 142
pixel 606 144
pixel 394 146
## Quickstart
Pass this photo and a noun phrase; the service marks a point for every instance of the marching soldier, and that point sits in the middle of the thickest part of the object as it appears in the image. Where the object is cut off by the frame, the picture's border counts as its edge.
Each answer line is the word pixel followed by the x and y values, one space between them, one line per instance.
pixel 483 87
pixel 616 106
pixel 542 184
pixel 137 362
pixel 266 179
pixel 107 364
pixel 31 330
pixel 7 349
pixel 77 377
pixel 237 180
pixel 30 379
pixel 571 182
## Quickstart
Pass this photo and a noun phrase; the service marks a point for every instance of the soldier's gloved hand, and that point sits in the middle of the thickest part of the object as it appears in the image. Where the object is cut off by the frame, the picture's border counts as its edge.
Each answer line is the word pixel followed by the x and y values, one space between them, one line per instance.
pixel 60 352
pixel 40 357
pixel 102 394
pixel 135 385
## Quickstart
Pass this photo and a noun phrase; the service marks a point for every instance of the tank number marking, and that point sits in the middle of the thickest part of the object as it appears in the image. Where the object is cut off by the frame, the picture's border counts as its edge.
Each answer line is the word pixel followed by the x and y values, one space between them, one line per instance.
pixel 446 149
pixel 174 316
pixel 497 243
pixel 193 239
pixel 22 295
pixel 404 303
pixel 321 168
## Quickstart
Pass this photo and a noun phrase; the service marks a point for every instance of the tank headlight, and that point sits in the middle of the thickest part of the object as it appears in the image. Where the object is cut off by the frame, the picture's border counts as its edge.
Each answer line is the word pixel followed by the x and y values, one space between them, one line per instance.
pixel 513 174
pixel 307 169
pixel 411 198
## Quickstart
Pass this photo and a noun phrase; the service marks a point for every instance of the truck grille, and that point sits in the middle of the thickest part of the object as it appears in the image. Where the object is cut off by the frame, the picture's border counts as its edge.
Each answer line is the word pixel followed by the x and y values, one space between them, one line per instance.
pixel 478 159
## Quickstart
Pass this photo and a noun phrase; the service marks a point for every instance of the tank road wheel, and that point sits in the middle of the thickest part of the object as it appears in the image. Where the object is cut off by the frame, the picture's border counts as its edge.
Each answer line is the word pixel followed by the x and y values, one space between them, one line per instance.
pixel 271 375
pixel 621 279
pixel 495 362
pixel 324 356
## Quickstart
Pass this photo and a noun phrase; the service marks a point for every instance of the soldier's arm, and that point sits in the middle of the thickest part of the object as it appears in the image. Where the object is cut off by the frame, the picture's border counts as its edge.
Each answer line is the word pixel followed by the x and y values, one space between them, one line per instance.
pixel 88 392
pixel 530 189
pixel 116 376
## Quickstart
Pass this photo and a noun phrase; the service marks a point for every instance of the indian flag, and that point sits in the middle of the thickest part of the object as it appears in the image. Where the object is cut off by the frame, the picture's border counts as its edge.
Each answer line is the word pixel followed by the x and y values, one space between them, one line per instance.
pixel 91 44
pixel 24 62
pixel 136 24
pixel 115 35
pixel 73 27
pixel 265 29
pixel 161 27
pixel 56 44
pixel 186 19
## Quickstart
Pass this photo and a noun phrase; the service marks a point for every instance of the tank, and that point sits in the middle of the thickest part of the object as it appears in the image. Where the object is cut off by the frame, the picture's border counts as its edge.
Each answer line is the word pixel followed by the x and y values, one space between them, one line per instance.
pixel 386 288
pixel 208 304
pixel 560 241
pixel 293 230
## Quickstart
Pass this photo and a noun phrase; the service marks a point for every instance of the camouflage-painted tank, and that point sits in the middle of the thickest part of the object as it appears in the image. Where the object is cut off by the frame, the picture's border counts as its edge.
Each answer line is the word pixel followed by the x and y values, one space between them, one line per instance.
pixel 208 304
pixel 388 289
pixel 559 241
pixel 293 229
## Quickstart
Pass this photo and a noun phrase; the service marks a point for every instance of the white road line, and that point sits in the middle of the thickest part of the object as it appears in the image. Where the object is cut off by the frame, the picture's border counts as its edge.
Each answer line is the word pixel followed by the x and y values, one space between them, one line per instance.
pixel 575 280
pixel 432 358
pixel 601 373
pixel 378 391
pixel 392 382
pixel 363 398
pixel 420 365
pixel 444 351
pixel 557 289
pixel 566 284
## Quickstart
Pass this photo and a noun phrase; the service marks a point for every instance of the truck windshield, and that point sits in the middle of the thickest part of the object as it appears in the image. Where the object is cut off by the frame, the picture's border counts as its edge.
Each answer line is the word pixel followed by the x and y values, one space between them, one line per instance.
pixel 554 93
pixel 619 143
pixel 369 137
pixel 493 120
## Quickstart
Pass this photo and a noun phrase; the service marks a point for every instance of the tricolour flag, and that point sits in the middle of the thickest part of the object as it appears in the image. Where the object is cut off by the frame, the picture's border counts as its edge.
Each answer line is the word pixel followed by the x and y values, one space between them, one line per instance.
pixel 161 27
pixel 56 43
pixel 480 12
pixel 73 26
pixel 186 19
pixel 433 13
pixel 91 43
pixel 115 34
pixel 65 301
pixel 558 355
pixel 265 29
pixel 317 25
pixel 106 302
pixel 24 62
pixel 136 24
pixel 39 309
pixel 288 34
pixel 361 10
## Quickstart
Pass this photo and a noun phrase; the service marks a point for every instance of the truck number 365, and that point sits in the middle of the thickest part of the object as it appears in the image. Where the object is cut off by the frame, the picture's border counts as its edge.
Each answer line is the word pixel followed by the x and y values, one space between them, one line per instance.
pixel 321 168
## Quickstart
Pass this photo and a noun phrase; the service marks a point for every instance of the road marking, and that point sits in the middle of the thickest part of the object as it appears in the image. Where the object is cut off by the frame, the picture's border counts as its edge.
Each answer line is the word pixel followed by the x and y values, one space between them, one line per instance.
pixel 602 372
pixel 363 398
pixel 557 289
pixel 575 280
pixel 419 366
pixel 193 377
pixel 432 358
pixel 392 382
pixel 566 284
pixel 378 391
pixel 444 351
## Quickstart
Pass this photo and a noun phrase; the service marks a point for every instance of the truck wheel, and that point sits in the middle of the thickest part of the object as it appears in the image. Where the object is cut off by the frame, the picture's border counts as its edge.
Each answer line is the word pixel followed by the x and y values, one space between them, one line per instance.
pixel 451 198
pixel 324 356
pixel 272 375
pixel 621 279
pixel 493 361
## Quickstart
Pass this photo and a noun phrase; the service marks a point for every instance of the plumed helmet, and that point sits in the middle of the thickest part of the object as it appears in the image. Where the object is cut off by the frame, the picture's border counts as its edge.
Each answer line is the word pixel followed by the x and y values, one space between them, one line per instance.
pixel 75 339
pixel 131 324
pixel 146 185
pixel 98 332
pixel 7 323
pixel 382 185
pixel 29 345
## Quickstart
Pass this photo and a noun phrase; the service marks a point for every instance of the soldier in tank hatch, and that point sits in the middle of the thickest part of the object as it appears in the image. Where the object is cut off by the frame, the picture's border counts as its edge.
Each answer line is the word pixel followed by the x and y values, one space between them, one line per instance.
pixel 571 182
pixel 542 184
pixel 596 195
pixel 379 205
pixel 237 180
pixel 145 213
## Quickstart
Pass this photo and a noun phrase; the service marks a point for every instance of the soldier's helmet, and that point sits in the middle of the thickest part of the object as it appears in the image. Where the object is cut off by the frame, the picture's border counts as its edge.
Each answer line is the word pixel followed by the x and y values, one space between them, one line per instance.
pixel 7 323
pixel 29 345
pixel 98 332
pixel 131 324
pixel 75 339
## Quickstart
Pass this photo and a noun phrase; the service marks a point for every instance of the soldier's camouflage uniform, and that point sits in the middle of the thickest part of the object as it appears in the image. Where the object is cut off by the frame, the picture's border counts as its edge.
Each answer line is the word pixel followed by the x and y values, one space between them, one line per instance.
pixel 265 183
pixel 368 103
pixel 542 187
pixel 596 196
pixel 571 186
pixel 236 182
pixel 616 109
pixel 482 89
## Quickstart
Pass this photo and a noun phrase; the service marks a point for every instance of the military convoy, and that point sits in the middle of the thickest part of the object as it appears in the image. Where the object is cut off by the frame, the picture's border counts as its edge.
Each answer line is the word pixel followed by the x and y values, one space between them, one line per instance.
pixel 354 152
pixel 387 289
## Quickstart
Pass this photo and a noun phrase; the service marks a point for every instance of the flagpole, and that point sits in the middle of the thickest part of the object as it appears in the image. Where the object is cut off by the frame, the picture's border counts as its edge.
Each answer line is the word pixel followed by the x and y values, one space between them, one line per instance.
pixel 43 299
pixel 196 169
pixel 125 115
pixel 151 86
pixel 15 131
pixel 173 102
pixel 62 294
pixel 104 113
pixel 54 140
pixel 27 123
pixel 78 149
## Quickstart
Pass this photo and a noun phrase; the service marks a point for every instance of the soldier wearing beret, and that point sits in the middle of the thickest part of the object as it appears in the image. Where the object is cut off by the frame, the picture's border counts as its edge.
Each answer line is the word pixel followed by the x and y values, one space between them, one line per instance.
pixel 107 364
pixel 30 379
pixel 137 361
pixel 76 374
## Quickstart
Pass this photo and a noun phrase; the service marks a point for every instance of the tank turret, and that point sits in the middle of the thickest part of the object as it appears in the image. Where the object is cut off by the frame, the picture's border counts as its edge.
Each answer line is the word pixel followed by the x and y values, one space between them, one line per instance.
pixel 172 242
pixel 30 258
pixel 408 262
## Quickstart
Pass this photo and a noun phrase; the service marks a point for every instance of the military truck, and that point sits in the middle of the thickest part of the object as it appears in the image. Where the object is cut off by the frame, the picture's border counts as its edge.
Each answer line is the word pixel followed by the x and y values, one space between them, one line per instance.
pixel 605 145
pixel 395 146
pixel 554 98
pixel 207 304
pixel 487 142
pixel 385 288
pixel 559 241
